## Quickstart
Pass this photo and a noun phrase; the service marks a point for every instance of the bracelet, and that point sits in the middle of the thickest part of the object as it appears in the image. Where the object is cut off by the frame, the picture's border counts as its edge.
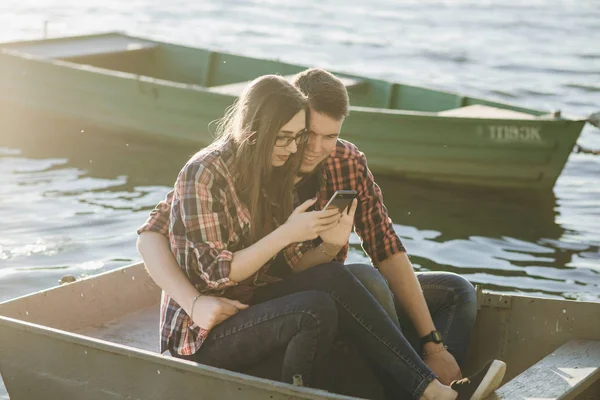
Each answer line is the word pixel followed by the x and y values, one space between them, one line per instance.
pixel 428 353
pixel 322 248
pixel 192 308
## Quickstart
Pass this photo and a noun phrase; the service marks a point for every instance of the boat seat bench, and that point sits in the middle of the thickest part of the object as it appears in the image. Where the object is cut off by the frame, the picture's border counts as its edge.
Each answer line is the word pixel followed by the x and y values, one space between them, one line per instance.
pixel 563 374
pixel 84 47
pixel 482 111
pixel 236 89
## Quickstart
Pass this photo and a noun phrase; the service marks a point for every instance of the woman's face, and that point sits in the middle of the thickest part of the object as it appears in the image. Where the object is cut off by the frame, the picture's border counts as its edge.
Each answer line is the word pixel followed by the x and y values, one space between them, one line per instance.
pixel 290 132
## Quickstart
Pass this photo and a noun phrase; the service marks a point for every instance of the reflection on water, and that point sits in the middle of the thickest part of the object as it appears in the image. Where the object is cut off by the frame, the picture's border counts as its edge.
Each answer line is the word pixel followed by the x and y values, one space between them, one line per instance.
pixel 70 200
pixel 503 240
pixel 72 197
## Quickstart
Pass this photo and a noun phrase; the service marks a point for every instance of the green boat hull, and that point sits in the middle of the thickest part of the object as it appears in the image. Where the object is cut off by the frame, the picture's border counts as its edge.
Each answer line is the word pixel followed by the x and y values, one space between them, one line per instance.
pixel 172 92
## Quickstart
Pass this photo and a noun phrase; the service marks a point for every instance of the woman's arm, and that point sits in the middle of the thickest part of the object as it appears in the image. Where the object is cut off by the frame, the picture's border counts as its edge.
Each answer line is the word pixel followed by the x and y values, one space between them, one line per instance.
pixel 321 254
pixel 299 227
pixel 334 239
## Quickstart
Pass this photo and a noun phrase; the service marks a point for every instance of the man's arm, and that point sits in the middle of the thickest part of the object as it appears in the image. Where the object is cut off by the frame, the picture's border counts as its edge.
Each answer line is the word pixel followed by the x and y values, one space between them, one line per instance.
pixel 398 271
pixel 164 270
pixel 379 240
pixel 387 252
pixel 155 250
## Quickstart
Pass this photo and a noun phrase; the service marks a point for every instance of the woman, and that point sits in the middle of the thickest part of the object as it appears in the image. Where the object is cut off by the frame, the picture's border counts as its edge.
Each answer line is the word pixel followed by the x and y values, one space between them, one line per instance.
pixel 228 218
pixel 231 215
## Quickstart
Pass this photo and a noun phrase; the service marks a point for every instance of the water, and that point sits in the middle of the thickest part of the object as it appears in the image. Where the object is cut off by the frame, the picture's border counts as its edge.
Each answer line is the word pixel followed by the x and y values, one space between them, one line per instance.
pixel 70 201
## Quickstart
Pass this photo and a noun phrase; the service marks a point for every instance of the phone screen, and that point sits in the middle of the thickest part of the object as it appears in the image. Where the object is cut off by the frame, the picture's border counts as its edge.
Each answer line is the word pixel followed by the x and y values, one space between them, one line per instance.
pixel 341 199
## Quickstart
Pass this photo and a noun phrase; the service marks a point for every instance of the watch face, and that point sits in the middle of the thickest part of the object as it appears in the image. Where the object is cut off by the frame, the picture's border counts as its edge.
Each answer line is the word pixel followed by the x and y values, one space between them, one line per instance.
pixel 437 337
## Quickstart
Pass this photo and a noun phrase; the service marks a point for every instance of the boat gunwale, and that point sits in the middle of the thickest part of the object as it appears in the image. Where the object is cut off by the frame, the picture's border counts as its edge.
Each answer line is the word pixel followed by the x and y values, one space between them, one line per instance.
pixel 172 362
pixel 140 265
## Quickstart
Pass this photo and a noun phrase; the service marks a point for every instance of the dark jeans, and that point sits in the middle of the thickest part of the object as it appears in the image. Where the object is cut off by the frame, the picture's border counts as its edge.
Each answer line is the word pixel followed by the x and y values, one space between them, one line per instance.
pixel 451 299
pixel 304 323
pixel 361 318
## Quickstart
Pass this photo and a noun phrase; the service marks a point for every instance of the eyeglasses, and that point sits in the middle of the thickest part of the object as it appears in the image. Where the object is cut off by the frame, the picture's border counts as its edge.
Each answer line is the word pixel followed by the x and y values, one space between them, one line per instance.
pixel 300 138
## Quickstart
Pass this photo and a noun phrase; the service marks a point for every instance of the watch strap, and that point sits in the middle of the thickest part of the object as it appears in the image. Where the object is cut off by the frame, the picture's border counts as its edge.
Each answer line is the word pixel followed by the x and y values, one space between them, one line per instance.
pixel 433 336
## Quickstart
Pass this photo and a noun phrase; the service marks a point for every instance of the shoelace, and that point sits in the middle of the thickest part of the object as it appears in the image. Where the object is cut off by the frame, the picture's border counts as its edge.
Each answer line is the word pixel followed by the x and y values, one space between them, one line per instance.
pixel 460 382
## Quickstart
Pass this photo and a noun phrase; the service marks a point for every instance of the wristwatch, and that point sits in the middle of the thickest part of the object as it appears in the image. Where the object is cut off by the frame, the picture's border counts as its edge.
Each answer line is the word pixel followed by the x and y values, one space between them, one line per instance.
pixel 434 336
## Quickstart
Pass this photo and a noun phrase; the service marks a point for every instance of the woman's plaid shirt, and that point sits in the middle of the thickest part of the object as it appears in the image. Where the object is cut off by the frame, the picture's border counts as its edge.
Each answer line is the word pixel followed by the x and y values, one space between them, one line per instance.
pixel 206 222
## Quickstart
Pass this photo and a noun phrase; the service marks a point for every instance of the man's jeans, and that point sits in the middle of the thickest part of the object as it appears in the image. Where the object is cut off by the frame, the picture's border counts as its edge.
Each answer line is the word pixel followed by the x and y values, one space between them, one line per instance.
pixel 451 299
pixel 303 323
pixel 363 321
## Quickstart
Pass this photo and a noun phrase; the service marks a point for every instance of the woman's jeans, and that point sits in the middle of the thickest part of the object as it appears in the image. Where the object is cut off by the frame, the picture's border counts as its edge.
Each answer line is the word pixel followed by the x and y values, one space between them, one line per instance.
pixel 303 323
pixel 303 312
pixel 363 321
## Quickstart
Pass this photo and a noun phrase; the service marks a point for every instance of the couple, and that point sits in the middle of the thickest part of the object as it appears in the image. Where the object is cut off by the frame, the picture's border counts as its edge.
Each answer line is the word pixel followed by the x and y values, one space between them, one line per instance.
pixel 258 264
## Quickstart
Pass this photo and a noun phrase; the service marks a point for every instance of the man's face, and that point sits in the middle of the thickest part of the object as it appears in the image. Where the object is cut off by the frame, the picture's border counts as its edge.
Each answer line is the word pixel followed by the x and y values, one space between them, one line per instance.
pixel 324 132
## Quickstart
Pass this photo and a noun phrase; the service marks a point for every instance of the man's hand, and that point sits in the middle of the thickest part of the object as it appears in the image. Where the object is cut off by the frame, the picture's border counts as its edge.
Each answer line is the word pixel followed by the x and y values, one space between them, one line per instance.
pixel 210 311
pixel 339 234
pixel 444 365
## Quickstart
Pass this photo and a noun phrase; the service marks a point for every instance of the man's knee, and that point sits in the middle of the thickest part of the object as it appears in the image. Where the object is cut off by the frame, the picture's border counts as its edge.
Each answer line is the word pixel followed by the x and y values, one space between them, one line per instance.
pixel 463 292
pixel 463 289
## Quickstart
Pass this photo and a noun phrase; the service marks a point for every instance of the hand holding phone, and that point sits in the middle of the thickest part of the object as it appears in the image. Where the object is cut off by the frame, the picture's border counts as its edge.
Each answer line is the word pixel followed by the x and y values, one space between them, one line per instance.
pixel 341 200
pixel 338 235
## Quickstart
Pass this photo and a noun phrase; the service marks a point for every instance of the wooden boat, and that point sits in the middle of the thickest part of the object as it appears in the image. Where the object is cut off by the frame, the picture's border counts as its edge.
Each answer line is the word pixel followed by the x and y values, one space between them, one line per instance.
pixel 97 338
pixel 174 92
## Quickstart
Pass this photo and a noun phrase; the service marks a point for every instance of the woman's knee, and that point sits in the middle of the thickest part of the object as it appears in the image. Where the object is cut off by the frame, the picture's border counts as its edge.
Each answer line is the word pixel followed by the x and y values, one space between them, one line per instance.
pixel 319 308
pixel 371 278
pixel 332 271
pixel 377 285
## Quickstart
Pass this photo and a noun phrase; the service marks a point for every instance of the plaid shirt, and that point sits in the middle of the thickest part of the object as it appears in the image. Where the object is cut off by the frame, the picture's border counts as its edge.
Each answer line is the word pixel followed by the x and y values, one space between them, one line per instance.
pixel 206 223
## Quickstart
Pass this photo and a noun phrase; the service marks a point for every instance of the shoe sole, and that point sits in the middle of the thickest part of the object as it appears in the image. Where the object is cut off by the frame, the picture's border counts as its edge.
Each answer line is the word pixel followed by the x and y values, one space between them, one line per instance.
pixel 490 381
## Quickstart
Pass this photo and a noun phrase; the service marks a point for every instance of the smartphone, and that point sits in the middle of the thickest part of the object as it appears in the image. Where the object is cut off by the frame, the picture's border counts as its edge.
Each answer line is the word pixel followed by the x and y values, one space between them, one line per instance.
pixel 341 199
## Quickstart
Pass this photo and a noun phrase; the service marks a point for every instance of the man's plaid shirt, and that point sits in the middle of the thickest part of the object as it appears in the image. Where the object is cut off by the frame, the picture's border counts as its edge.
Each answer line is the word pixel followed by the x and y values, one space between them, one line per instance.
pixel 206 222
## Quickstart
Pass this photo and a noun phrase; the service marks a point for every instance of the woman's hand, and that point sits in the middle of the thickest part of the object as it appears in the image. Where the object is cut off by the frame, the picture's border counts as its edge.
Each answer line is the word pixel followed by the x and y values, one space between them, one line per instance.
pixel 210 311
pixel 305 225
pixel 337 236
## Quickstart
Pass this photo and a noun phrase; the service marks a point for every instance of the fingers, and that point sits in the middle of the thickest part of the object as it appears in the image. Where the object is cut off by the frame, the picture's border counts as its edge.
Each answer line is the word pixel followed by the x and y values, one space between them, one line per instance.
pixel 235 303
pixel 332 224
pixel 353 207
pixel 328 216
pixel 228 309
pixel 328 212
pixel 304 206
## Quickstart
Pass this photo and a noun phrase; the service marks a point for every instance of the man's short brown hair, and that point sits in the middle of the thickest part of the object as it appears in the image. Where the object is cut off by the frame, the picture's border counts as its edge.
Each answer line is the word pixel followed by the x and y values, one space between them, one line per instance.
pixel 326 93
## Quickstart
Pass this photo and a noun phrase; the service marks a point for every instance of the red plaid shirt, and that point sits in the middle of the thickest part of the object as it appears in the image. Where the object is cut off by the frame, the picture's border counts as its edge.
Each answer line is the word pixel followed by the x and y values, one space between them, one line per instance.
pixel 206 223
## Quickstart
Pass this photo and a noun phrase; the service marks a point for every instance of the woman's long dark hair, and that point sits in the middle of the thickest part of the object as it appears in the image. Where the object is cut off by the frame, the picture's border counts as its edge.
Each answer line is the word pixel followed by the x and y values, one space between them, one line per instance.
pixel 252 123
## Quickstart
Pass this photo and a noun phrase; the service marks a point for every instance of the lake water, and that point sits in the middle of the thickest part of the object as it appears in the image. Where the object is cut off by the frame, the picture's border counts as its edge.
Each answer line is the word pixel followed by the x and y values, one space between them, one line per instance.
pixel 70 201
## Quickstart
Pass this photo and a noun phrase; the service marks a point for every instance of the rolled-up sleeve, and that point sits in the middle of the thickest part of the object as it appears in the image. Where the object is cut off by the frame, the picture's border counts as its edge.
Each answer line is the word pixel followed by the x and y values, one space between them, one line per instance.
pixel 201 228
pixel 158 221
pixel 294 252
pixel 372 223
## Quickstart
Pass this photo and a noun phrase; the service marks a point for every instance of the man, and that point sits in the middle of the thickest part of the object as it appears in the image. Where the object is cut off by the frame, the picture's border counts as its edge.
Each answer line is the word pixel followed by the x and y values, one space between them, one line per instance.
pixel 435 310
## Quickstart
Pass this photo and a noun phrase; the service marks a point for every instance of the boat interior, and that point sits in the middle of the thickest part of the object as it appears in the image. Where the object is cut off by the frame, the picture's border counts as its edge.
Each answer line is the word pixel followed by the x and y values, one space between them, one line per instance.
pixel 228 74
pixel 551 347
